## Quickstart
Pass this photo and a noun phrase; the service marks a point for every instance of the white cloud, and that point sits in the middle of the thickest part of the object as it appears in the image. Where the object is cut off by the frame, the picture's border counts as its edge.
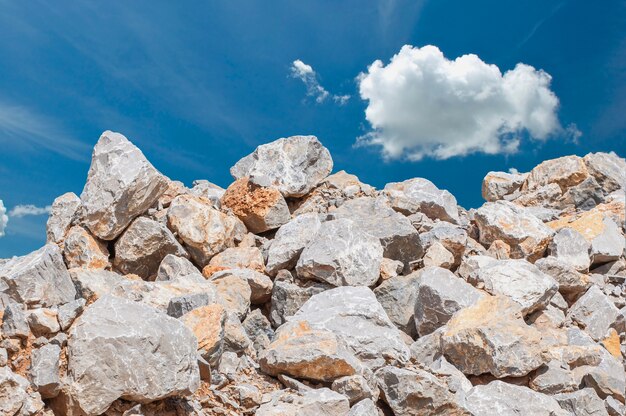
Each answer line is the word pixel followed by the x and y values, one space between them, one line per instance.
pixel 423 104
pixel 3 219
pixel 308 76
pixel 24 210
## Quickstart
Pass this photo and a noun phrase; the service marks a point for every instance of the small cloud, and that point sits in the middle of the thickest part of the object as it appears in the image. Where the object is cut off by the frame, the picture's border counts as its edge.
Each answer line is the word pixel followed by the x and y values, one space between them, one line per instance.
pixel 513 171
pixel 308 76
pixel 19 211
pixel 423 104
pixel 3 219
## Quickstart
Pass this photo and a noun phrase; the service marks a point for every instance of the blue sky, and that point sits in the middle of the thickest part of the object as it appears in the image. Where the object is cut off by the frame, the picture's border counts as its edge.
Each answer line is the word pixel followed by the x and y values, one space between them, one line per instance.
pixel 197 85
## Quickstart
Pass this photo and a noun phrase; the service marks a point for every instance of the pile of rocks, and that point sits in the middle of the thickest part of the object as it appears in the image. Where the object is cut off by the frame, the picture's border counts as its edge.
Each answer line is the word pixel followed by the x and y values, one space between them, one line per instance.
pixel 298 292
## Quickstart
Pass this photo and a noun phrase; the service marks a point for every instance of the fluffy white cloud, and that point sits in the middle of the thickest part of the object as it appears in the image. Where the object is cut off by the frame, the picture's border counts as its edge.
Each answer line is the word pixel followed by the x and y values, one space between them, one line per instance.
pixel 423 104
pixel 308 76
pixel 24 210
pixel 3 219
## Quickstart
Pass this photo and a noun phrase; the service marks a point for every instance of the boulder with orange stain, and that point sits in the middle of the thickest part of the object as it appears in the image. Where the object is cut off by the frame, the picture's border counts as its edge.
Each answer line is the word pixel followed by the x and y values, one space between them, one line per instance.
pixel 82 249
pixel 207 324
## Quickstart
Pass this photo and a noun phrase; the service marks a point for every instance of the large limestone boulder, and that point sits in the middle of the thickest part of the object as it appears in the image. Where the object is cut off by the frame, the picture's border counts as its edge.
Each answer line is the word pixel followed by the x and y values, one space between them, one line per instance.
pixel 496 185
pixel 121 185
pixel 355 316
pixel 39 278
pixel 260 208
pixel 569 246
pixel 398 296
pixel 565 171
pixel 608 170
pixel 123 349
pixel 142 247
pixel 82 249
pixel 289 294
pixel 293 165
pixel 341 254
pixel 289 241
pixel 421 195
pixel 594 313
pixel 527 236
pixel 491 337
pixel 397 235
pixel 62 213
pixel 204 230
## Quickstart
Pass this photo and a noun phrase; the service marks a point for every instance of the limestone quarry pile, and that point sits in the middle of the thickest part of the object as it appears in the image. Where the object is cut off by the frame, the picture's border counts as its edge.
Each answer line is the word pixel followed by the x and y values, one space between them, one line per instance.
pixel 298 291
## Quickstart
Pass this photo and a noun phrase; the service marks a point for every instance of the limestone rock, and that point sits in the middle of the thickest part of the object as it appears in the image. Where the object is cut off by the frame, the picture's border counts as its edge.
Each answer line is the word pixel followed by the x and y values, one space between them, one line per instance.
pixel 438 256
pixel 582 403
pixel 564 171
pixel 608 170
pixel 491 337
pixel 43 321
pixel 204 230
pixel 174 267
pixel 496 185
pixel 82 249
pixel 181 305
pixel 261 209
pixel 259 330
pixel 303 352
pixel 44 371
pixel 92 284
pixel 398 296
pixel 341 254
pixel 14 321
pixel 570 246
pixel 142 247
pixel 121 185
pixel 365 407
pixel 502 220
pixel 289 241
pixel 208 190
pixel 355 316
pixel 594 312
pixel 608 245
pixel 571 283
pixel 293 165
pixel 313 402
pixel 356 388
pixel 289 295
pixel 207 324
pixel 15 399
pixel 236 258
pixel 108 360
pixel 62 213
pixel 421 195
pixel 69 312
pixel 440 295
pixel 234 293
pixel 554 377
pixel 39 278
pixel 260 285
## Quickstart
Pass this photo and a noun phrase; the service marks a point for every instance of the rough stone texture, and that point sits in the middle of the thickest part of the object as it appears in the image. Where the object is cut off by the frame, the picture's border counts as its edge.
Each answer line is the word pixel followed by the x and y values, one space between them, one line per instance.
pixel 525 233
pixel 356 388
pixel 438 256
pixel 499 398
pixel 571 283
pixel 82 249
pixel 43 321
pixel 421 195
pixel 142 247
pixel 208 190
pixel 312 402
pixel 341 254
pixel 44 370
pixel 107 355
pixel 594 313
pixel 608 245
pixel 173 267
pixel 398 296
pixel 259 330
pixel 452 237
pixel 204 230
pixel 261 209
pixel 15 398
pixel 582 403
pixel 440 295
pixel 570 246
pixel 520 280
pixel 92 284
pixel 564 171
pixel 304 352
pixel 236 258
pixel 491 337
pixel 289 241
pixel 234 294
pixel 289 295
pixel 62 213
pixel 207 324
pixel 14 321
pixel 180 305
pixel 69 312
pixel 608 170
pixel 496 185
pixel 260 285
pixel 365 407
pixel 397 235
pixel 413 391
pixel 554 377
pixel 39 278
pixel 293 165
pixel 121 185
pixel 354 315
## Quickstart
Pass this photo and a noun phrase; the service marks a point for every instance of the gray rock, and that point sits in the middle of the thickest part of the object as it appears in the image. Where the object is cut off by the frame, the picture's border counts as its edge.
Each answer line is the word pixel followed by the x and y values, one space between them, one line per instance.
pixel 516 226
pixel 14 323
pixel 208 190
pixel 355 316
pixel 235 337
pixel 397 235
pixel 341 254
pixel 15 398
pixel 203 230
pixel 413 391
pixel 554 377
pixel 614 407
pixel 43 321
pixel 4 357
pixel 569 246
pixel 398 296
pixel 438 256
pixel 607 378
pixel 180 305
pixel 427 349
pixel 421 195
pixel 174 267
pixel 108 360
pixel 312 402
pixel 594 313
pixel 142 247
pixel 289 241
pixel 62 213
pixel 582 403
pixel 440 295
pixel 293 165
pixel 259 330
pixel 608 170
pixel 608 245
pixel 234 294
pixel 499 398
pixel 39 278
pixel 44 370
pixel 260 285
pixel 365 407
pixel 452 237
pixel 519 280
pixel 584 196
pixel 121 185
pixel 289 295
pixel 566 171
pixel 69 312
pixel 496 185
pixel 571 282
pixel 356 388
pixel 82 249
pixel 92 284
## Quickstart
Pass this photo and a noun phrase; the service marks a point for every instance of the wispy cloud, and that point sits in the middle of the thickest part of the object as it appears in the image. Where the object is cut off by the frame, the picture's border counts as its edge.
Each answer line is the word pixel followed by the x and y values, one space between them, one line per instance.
pixel 19 211
pixel 3 219
pixel 314 89
pixel 23 127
